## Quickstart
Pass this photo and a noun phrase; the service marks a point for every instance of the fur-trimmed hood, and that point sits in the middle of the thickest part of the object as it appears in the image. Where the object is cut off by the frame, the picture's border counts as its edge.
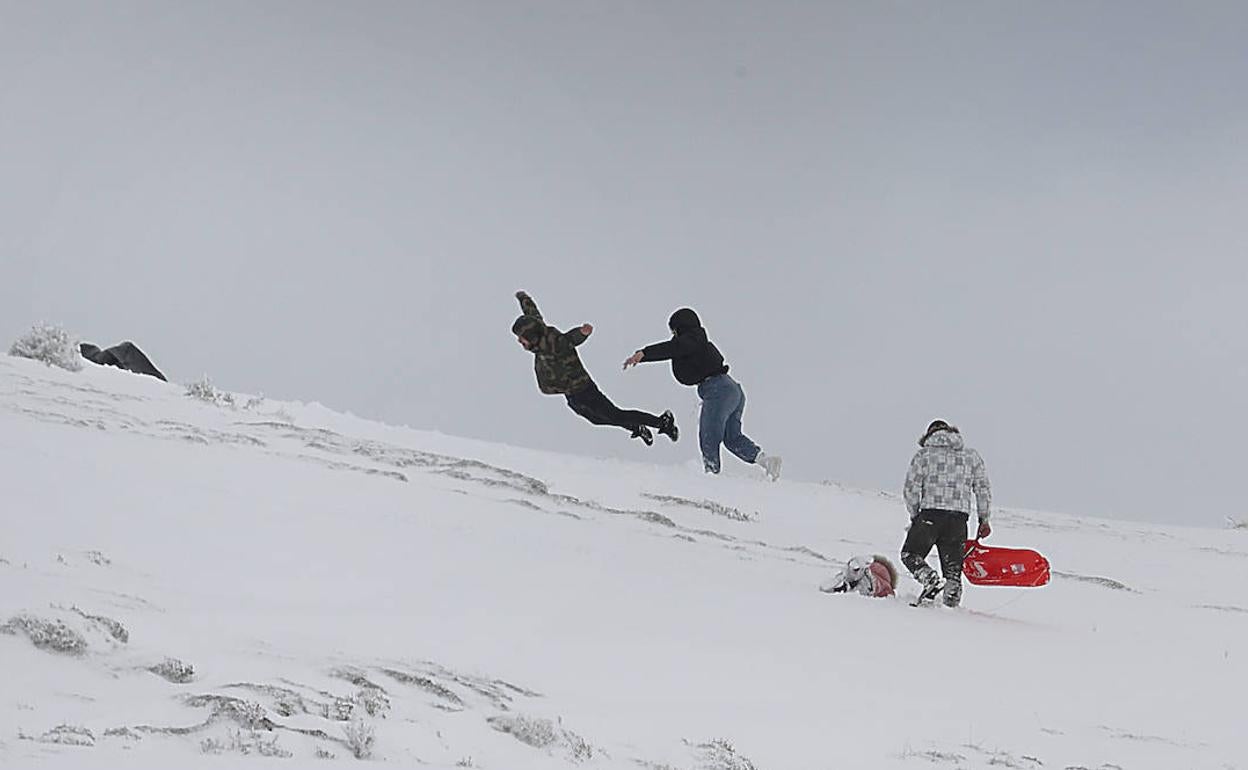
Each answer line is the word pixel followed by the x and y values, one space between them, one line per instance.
pixel 948 437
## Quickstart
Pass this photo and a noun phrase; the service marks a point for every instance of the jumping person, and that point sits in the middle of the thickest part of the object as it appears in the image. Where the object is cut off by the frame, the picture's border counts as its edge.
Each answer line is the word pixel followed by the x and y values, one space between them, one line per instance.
pixel 697 362
pixel 943 476
pixel 560 372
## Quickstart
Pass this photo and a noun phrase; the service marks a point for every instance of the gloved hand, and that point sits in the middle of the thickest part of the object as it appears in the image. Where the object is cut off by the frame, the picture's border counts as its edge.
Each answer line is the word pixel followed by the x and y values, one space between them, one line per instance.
pixel 984 530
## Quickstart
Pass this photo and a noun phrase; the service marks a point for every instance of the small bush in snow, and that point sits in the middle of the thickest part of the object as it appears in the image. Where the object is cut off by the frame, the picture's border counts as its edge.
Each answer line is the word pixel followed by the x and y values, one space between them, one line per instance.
pixel 205 391
pixel 49 344
pixel 1236 523
pixel 360 737
pixel 65 735
pixel 579 749
pixel 253 742
pixel 373 700
pixel 719 754
pixel 52 635
pixel 249 742
pixel 339 709
pixel 536 732
pixel 322 753
pixel 114 628
pixel 246 713
pixel 543 734
pixel 211 746
pixel 174 670
pixel 98 559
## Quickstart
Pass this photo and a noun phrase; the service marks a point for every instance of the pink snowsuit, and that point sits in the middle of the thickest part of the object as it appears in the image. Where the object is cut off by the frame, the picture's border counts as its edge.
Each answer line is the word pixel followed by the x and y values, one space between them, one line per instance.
pixel 881 581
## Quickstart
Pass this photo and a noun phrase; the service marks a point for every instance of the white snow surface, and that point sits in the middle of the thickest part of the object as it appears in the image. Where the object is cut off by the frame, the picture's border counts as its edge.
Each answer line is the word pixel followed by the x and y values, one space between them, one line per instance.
pixel 478 605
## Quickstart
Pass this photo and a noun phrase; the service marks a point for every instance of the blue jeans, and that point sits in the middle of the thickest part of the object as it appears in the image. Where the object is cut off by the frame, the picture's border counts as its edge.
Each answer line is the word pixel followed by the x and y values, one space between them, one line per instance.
pixel 723 403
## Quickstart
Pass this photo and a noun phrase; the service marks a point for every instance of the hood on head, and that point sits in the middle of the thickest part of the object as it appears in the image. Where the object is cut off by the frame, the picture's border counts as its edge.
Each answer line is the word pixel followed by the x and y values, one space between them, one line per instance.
pixel 684 320
pixel 530 328
pixel 948 437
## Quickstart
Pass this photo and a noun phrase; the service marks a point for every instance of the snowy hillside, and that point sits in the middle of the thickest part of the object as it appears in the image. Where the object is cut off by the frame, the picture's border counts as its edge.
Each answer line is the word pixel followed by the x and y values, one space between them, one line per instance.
pixel 189 584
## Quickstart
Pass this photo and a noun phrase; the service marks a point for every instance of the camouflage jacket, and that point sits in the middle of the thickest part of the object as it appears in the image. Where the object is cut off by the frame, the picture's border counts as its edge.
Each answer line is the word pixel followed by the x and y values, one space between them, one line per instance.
pixel 559 369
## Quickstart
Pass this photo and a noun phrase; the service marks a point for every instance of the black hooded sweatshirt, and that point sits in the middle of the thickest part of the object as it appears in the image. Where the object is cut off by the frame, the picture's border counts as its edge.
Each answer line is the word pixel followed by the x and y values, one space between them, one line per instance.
pixel 694 358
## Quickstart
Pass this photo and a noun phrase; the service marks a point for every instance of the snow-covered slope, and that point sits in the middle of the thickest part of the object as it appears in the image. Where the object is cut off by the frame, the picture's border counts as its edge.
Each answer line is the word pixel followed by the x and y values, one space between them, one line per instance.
pixel 476 605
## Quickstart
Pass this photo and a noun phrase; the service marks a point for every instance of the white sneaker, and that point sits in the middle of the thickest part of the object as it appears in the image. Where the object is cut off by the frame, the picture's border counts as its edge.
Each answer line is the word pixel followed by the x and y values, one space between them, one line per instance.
pixel 770 465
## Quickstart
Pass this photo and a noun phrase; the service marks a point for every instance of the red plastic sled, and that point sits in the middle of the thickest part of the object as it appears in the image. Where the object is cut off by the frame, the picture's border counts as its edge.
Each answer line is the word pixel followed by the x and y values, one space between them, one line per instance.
pixel 988 565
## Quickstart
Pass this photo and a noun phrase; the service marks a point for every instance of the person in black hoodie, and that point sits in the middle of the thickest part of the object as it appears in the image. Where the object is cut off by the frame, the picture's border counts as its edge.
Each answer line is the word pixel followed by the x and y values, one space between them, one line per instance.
pixel 697 362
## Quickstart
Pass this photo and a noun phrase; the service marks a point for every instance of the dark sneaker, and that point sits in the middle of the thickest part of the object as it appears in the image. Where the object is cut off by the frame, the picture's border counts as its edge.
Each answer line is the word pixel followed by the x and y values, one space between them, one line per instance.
pixel 643 433
pixel 667 425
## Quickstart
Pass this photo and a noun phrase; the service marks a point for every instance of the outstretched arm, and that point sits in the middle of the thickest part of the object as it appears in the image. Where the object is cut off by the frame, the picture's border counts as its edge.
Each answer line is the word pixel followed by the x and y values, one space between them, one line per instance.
pixel 528 306
pixel 662 351
pixel 578 335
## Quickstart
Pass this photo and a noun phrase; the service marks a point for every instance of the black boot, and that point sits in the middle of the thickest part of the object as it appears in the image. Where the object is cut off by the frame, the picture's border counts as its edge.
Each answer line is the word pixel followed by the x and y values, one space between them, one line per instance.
pixel 643 433
pixel 667 425
pixel 931 582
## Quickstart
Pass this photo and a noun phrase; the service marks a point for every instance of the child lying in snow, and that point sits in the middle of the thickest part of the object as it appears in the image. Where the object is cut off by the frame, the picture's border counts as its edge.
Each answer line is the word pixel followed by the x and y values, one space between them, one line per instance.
pixel 867 575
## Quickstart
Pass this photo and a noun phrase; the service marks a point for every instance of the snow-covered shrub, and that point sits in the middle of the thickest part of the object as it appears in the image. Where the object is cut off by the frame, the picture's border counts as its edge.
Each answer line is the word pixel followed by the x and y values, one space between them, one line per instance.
pixel 65 735
pixel 49 344
pixel 534 731
pixel 579 749
pixel 249 742
pixel 544 734
pixel 52 635
pixel 246 713
pixel 253 742
pixel 114 628
pixel 211 746
pixel 360 737
pixel 205 391
pixel 1236 523
pixel 174 670
pixel 339 709
pixel 719 754
pixel 323 753
pixel 98 559
pixel 373 700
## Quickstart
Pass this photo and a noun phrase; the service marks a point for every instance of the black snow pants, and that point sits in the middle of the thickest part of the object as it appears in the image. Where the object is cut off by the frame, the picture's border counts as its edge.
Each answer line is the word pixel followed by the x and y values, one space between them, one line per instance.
pixel 947 531
pixel 590 403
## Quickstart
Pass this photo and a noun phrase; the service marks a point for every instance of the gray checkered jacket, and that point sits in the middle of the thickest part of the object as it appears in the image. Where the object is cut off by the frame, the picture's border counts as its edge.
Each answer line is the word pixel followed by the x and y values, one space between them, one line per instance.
pixel 944 474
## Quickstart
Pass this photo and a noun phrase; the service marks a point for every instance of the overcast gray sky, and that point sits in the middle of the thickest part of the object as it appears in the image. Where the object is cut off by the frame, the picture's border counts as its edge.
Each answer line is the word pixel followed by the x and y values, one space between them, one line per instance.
pixel 1026 218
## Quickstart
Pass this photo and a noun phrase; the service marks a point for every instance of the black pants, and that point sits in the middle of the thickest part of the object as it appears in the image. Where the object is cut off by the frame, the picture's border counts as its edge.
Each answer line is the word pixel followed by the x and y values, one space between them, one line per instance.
pixel 944 529
pixel 591 404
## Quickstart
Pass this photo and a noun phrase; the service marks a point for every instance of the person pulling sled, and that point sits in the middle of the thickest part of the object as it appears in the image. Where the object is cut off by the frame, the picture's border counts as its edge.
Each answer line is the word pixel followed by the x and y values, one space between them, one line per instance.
pixel 943 477
pixel 560 372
